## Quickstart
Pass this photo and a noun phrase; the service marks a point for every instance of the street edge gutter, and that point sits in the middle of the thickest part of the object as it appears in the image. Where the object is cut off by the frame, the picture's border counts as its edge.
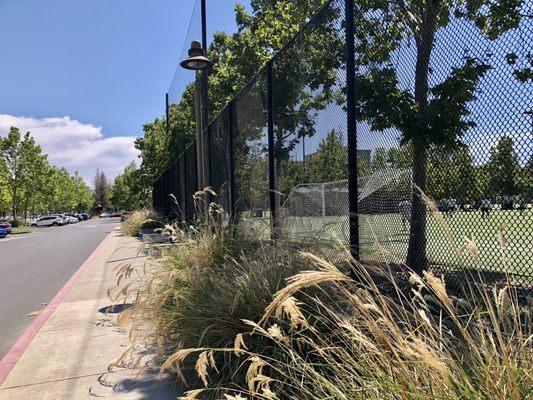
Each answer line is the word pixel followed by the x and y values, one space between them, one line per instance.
pixel 17 350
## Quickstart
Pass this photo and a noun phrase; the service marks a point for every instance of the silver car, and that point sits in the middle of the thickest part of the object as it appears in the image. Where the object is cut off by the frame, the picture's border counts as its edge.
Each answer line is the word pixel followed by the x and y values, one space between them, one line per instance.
pixel 49 220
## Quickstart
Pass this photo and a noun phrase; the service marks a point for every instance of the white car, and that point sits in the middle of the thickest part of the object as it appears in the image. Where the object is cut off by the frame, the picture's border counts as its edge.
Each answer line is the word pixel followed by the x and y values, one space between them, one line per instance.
pixel 63 217
pixel 49 220
pixel 71 219
pixel 104 215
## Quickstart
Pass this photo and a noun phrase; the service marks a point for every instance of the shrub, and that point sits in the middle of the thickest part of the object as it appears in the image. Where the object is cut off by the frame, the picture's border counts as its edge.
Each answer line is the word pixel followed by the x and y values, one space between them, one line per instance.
pixel 139 220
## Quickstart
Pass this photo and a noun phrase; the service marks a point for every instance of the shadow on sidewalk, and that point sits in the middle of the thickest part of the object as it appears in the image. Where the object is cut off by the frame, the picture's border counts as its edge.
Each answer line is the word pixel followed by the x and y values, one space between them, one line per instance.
pixel 145 386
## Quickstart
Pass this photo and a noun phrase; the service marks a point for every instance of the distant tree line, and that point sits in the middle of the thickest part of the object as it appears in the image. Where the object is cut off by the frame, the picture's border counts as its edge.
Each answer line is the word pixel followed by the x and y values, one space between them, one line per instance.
pixel 29 183
pixel 452 173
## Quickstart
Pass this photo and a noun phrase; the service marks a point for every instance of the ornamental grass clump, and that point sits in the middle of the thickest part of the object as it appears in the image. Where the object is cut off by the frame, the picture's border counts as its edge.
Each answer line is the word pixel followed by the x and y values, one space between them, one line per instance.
pixel 198 291
pixel 329 336
pixel 140 219
pixel 235 317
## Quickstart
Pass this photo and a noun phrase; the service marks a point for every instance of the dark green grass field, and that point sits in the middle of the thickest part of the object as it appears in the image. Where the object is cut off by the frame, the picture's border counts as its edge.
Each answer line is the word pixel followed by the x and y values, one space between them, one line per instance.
pixel 504 239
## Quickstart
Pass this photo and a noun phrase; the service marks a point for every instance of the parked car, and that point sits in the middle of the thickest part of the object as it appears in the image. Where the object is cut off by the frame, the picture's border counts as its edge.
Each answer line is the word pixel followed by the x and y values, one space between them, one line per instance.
pixel 71 218
pixel 49 220
pixel 62 217
pixel 104 215
pixel 7 226
pixel 116 214
pixel 3 233
pixel 85 216
pixel 67 219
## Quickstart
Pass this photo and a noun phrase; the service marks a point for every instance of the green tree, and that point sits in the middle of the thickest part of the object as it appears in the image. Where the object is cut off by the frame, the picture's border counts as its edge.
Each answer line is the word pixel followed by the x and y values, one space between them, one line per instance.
pixel 431 116
pixel 31 195
pixel 29 183
pixel 4 195
pixel 62 197
pixel 503 168
pixel 102 192
pixel 379 160
pixel 158 147
pixel 22 162
pixel 83 195
pixel 451 174
pixel 330 161
pixel 126 189
pixel 401 157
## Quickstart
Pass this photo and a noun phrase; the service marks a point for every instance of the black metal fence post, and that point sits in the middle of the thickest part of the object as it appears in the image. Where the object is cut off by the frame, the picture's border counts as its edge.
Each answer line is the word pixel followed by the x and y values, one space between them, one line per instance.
pixel 204 25
pixel 164 193
pixel 185 183
pixel 205 102
pixel 353 207
pixel 155 195
pixel 231 151
pixel 208 153
pixel 172 191
pixel 167 114
pixel 271 153
pixel 160 195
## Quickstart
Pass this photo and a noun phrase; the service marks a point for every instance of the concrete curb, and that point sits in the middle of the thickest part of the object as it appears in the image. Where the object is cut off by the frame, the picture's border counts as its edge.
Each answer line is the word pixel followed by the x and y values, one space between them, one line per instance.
pixel 17 350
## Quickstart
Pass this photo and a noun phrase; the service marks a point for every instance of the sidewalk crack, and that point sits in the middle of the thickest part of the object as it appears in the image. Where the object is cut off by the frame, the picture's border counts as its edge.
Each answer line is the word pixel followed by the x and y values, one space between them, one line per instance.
pixel 62 379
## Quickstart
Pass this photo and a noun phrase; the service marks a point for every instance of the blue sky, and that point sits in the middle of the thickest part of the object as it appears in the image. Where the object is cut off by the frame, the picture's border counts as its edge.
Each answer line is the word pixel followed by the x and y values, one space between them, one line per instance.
pixel 85 75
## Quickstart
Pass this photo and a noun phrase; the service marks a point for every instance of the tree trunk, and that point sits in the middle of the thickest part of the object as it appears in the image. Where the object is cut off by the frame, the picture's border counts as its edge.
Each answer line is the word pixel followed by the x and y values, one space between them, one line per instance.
pixel 13 204
pixel 417 252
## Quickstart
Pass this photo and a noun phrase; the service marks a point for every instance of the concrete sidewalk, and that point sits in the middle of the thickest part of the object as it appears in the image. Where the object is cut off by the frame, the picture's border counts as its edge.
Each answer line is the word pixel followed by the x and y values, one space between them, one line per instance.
pixel 69 357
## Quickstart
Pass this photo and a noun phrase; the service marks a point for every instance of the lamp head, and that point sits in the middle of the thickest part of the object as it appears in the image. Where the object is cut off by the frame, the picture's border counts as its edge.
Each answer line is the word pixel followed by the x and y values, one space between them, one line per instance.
pixel 196 60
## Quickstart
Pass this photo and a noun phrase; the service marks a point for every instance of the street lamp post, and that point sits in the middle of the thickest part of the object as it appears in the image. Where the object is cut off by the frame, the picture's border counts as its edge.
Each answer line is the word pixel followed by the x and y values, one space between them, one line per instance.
pixel 197 61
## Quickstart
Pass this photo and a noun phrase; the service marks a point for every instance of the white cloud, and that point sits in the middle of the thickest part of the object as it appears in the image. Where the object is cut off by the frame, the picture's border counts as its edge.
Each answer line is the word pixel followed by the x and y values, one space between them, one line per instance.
pixel 76 146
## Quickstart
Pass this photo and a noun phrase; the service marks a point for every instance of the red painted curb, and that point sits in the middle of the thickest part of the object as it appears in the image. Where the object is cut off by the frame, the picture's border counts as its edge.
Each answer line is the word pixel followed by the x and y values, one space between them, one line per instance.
pixel 15 352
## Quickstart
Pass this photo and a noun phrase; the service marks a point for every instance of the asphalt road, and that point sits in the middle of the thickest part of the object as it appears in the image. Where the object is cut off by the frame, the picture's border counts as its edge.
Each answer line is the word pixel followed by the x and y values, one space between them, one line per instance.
pixel 35 266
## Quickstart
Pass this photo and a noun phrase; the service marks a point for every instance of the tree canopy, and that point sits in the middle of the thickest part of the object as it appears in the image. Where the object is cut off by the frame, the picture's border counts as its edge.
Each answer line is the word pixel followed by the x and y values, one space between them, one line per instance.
pixel 29 183
pixel 127 193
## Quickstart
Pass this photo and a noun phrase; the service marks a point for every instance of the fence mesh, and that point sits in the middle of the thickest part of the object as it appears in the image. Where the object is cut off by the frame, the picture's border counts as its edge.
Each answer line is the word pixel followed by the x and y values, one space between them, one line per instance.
pixel 310 135
pixel 182 196
pixel 478 216
pixel 482 187
pixel 182 76
pixel 219 161
pixel 191 181
pixel 251 155
pixel 476 210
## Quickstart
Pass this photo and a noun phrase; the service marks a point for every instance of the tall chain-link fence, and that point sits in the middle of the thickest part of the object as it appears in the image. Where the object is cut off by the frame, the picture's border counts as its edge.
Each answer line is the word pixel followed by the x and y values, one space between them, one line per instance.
pixel 250 144
pixel 439 159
